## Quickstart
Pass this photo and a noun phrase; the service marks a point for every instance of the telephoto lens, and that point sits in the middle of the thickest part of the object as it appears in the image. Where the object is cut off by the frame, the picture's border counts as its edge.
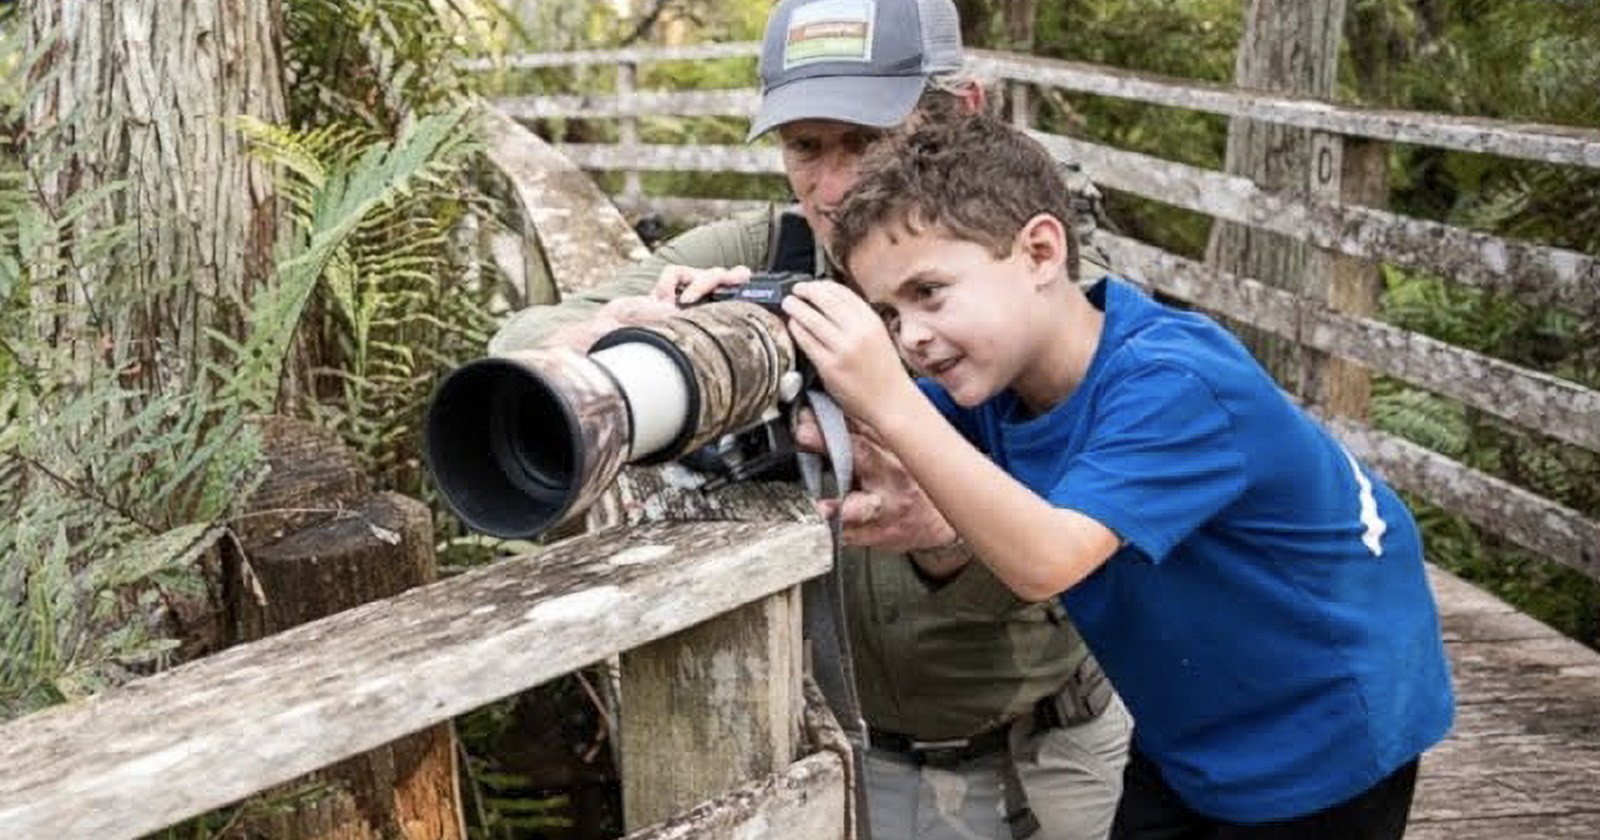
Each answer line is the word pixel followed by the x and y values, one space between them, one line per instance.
pixel 521 443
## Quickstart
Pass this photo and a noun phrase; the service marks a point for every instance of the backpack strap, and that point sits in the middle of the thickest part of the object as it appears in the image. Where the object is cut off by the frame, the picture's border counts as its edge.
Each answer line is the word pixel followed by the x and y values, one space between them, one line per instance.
pixel 791 245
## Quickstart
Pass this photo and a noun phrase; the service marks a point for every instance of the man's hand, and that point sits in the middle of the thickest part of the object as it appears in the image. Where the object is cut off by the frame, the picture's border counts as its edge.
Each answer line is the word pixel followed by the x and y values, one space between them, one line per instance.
pixel 684 285
pixel 886 508
pixel 621 312
pixel 677 285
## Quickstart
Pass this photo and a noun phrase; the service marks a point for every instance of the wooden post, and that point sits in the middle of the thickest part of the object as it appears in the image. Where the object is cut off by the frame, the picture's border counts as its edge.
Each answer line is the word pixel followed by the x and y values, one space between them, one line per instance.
pixel 316 543
pixel 710 709
pixel 719 704
pixel 628 131
pixel 1350 171
pixel 1288 46
pixel 1020 102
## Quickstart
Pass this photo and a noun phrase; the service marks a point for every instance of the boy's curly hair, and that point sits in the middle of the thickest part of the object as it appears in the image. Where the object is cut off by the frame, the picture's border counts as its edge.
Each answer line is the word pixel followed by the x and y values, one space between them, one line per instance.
pixel 974 178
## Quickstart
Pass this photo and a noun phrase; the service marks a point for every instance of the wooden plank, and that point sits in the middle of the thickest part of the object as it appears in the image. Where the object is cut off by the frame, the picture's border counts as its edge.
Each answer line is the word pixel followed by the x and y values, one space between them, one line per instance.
pixel 1526 141
pixel 691 209
pixel 682 103
pixel 1522 759
pixel 162 749
pixel 1351 171
pixel 638 55
pixel 670 158
pixel 583 237
pixel 1539 401
pixel 628 127
pixel 1581 825
pixel 1553 530
pixel 1539 274
pixel 718 703
pixel 805 802
pixel 1507 794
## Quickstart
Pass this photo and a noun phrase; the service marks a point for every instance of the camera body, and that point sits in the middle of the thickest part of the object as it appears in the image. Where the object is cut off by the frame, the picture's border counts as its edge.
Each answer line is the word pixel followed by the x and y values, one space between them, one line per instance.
pixel 766 290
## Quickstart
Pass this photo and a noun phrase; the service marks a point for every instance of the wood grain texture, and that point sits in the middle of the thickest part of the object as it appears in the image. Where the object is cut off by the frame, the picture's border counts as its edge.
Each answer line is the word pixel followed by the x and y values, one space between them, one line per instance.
pixel 159 750
pixel 1523 759
pixel 804 802
pixel 1538 274
pixel 715 706
pixel 583 237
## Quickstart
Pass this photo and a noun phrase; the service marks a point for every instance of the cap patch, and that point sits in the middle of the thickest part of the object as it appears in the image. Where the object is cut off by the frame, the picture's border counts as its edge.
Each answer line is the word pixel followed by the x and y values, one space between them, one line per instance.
pixel 832 30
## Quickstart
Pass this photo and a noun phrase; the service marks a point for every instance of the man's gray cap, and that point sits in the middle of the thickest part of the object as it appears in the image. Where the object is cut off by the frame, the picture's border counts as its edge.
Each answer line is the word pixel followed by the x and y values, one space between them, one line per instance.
pixel 857 61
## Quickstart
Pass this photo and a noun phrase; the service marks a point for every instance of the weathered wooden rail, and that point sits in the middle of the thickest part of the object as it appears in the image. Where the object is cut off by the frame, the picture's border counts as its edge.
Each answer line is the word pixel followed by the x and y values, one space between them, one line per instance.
pixel 721 736
pixel 152 753
pixel 1525 757
pixel 703 614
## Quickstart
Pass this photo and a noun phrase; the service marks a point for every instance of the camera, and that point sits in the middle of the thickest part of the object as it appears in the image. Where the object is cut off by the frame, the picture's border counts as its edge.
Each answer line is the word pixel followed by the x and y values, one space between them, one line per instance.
pixel 521 443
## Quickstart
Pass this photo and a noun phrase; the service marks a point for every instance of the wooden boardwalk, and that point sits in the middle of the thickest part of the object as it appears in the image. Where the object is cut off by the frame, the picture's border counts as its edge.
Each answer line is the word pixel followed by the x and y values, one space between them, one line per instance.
pixel 1524 758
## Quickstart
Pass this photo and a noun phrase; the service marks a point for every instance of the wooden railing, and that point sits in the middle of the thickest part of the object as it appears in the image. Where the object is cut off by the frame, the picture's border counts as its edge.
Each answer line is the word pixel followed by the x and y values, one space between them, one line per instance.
pixel 718 733
pixel 1541 275
pixel 150 754
pixel 693 598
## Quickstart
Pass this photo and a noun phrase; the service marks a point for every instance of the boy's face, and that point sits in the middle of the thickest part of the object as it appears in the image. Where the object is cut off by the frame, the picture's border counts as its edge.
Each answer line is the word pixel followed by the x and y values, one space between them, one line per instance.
pixel 958 314
pixel 821 159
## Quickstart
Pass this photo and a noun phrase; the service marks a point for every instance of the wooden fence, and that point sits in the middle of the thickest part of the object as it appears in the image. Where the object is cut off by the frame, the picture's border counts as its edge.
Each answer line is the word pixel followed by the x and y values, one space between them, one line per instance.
pixel 1540 275
pixel 694 597
pixel 720 738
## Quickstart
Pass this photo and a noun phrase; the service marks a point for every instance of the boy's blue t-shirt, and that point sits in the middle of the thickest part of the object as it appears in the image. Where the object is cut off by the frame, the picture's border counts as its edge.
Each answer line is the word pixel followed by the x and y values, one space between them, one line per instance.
pixel 1268 619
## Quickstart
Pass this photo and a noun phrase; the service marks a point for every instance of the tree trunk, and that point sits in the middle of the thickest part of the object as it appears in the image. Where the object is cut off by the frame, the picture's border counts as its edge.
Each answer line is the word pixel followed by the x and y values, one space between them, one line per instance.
pixel 1292 47
pixel 144 93
pixel 1019 18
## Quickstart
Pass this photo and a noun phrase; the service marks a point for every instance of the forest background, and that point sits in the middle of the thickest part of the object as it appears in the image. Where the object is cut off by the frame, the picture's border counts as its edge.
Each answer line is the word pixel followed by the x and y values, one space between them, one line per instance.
pixel 127 444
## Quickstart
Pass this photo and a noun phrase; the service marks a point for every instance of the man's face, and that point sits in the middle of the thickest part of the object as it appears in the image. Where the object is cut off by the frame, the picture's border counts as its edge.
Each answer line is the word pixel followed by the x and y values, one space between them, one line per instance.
pixel 821 158
pixel 958 314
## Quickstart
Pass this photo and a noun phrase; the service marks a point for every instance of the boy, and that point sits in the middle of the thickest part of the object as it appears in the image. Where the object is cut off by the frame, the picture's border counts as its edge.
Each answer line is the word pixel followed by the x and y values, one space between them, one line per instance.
pixel 1257 596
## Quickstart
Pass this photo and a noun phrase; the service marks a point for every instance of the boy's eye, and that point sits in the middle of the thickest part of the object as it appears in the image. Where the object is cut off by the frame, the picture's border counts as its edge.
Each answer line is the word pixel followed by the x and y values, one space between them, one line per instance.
pixel 890 319
pixel 924 291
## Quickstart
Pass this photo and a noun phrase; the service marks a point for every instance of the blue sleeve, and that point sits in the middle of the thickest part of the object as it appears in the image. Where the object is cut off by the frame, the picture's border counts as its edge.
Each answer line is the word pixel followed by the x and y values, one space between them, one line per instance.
pixel 1161 460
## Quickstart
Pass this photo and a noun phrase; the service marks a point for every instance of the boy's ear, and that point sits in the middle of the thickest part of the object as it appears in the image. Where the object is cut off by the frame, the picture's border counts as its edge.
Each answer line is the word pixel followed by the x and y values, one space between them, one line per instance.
pixel 1043 240
pixel 974 99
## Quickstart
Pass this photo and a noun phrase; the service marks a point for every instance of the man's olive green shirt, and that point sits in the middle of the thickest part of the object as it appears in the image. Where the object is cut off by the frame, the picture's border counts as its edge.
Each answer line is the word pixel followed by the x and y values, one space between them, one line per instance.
pixel 932 660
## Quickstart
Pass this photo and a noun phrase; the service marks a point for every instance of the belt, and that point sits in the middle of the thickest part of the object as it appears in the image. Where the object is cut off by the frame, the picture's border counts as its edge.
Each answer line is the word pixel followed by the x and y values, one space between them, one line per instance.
pixel 1085 697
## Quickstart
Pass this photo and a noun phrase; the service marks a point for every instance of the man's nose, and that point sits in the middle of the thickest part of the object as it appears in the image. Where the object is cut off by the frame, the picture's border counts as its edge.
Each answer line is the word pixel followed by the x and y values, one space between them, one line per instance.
pixel 836 180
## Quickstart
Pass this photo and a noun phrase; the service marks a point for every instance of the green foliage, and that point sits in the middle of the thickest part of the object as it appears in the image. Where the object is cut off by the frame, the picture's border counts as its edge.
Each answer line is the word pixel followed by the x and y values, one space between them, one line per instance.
pixel 376 63
pixel 1189 39
pixel 109 494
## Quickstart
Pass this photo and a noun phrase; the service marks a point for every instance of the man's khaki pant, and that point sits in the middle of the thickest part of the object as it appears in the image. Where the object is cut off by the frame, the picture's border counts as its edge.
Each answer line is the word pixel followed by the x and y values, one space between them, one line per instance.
pixel 1073 778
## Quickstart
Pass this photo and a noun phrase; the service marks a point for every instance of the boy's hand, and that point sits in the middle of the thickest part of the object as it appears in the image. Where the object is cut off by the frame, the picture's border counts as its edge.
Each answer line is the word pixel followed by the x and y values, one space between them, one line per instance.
pixel 886 508
pixel 684 285
pixel 847 342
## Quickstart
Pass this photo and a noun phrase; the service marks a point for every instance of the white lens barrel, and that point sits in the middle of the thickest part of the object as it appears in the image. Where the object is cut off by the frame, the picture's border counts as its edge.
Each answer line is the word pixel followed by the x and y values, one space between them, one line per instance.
pixel 656 392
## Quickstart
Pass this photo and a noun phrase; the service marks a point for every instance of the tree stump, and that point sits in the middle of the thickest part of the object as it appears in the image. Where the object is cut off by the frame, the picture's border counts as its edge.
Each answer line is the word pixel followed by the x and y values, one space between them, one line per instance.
pixel 312 543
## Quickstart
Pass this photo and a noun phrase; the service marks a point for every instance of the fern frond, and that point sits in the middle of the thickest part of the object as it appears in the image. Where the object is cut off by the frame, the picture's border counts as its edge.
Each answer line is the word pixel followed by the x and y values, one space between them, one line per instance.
pixel 382 174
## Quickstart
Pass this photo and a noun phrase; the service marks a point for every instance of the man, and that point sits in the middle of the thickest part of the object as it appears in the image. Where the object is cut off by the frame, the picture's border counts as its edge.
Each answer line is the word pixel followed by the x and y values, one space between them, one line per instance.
pixel 985 712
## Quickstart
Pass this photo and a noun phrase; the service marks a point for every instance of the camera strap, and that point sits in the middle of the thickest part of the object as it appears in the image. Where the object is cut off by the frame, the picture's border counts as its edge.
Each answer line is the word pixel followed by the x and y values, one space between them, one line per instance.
pixel 823 613
pixel 793 248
